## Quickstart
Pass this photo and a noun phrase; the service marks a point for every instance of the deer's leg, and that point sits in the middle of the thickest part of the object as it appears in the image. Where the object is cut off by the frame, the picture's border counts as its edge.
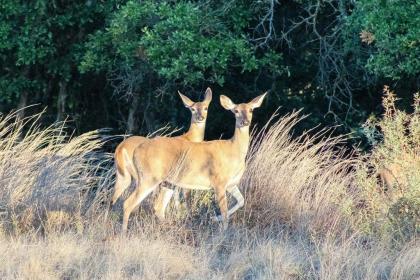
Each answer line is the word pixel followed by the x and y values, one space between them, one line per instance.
pixel 162 201
pixel 125 171
pixel 187 197
pixel 239 199
pixel 141 192
pixel 222 202
pixel 177 194
pixel 122 182
pixel 186 194
pixel 234 191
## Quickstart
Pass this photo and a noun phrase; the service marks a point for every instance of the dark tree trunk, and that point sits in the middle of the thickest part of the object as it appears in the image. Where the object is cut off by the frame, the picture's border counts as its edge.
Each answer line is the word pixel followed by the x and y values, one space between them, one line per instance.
pixel 132 120
pixel 23 98
pixel 23 103
pixel 61 100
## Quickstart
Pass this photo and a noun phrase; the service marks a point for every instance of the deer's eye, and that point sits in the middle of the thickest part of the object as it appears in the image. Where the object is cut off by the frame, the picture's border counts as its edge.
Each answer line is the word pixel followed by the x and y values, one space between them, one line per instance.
pixel 236 111
pixel 193 110
pixel 205 108
pixel 251 110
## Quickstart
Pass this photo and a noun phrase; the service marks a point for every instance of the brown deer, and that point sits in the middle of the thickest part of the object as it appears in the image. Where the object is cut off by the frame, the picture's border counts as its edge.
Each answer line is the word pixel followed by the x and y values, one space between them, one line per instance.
pixel 217 164
pixel 124 153
pixel 393 173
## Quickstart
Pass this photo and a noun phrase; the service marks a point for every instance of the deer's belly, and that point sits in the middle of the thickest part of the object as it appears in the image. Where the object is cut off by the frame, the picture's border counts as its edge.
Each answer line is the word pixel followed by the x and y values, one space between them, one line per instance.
pixel 194 183
pixel 197 181
pixel 192 186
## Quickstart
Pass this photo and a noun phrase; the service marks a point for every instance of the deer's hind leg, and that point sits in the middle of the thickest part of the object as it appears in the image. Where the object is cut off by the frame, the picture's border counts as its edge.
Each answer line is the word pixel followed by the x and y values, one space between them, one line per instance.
pixel 162 201
pixel 187 198
pixel 125 171
pixel 122 182
pixel 142 190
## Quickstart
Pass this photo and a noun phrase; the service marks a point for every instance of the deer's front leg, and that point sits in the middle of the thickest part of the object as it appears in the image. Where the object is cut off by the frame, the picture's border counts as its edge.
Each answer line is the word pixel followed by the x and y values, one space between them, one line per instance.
pixel 223 206
pixel 239 199
pixel 234 191
pixel 162 201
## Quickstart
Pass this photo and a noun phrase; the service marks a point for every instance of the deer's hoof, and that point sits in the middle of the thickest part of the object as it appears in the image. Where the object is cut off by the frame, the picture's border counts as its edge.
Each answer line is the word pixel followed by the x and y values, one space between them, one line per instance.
pixel 225 226
pixel 161 218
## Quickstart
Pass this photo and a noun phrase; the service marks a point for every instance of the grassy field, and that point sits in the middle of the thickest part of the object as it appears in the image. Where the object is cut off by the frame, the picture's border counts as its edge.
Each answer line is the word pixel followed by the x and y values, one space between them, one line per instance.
pixel 313 210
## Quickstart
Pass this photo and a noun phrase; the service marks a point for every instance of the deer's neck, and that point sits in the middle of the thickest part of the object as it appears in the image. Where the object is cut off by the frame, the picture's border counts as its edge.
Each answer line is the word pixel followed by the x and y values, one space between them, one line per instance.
pixel 240 140
pixel 196 132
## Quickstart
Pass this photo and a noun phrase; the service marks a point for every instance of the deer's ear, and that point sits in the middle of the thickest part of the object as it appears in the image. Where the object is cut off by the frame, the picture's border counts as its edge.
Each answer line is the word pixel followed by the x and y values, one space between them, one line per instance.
pixel 187 102
pixel 257 101
pixel 226 102
pixel 208 96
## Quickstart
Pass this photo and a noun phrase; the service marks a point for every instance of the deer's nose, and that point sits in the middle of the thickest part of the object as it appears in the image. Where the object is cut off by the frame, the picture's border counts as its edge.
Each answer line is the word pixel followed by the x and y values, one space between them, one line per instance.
pixel 201 118
pixel 245 122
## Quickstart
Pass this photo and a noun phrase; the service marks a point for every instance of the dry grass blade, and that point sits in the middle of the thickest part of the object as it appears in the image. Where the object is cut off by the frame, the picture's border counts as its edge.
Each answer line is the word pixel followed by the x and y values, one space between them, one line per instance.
pixel 296 182
pixel 43 171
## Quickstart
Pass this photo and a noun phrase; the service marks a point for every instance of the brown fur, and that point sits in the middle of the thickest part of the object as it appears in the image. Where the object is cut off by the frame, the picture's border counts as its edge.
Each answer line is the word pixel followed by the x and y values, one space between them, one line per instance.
pixel 124 151
pixel 393 174
pixel 217 164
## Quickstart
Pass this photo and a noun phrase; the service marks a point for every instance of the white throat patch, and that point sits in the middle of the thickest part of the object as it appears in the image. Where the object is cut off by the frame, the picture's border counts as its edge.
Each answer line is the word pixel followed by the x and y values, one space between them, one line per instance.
pixel 200 124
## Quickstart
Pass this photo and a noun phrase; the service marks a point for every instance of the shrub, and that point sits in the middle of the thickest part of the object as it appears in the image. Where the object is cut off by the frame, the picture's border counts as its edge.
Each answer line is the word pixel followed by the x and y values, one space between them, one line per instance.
pixel 389 177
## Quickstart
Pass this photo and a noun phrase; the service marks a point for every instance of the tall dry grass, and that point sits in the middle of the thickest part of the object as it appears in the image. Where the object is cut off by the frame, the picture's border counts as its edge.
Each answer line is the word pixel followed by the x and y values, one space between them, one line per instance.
pixel 46 176
pixel 300 183
pixel 299 220
pixel 235 254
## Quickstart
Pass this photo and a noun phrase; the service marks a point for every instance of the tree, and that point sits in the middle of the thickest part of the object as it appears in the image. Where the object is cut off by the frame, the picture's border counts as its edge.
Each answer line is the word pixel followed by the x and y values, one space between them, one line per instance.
pixel 40 44
pixel 389 36
pixel 150 46
pixel 118 63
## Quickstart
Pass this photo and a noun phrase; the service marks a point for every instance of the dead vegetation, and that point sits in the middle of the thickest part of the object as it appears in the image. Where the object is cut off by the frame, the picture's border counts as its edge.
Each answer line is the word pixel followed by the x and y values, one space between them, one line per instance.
pixel 312 211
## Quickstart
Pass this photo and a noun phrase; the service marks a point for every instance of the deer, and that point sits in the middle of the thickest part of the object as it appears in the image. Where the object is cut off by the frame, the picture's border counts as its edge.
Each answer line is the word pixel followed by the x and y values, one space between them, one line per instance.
pixel 217 164
pixel 393 173
pixel 125 170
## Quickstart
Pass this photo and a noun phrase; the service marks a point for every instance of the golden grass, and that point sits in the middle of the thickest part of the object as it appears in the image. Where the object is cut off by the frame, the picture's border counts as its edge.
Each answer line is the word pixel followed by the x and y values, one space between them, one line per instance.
pixel 298 221
pixel 43 172
pixel 228 255
pixel 301 183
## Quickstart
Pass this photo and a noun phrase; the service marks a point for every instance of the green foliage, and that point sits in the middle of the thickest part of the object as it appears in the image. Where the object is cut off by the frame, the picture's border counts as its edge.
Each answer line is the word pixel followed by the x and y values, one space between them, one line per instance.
pixel 40 43
pixel 70 55
pixel 404 218
pixel 390 31
pixel 183 42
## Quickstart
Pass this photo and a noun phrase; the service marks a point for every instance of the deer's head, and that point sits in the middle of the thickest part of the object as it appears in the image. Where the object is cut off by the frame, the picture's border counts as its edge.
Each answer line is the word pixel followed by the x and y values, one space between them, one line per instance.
pixel 243 112
pixel 198 109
